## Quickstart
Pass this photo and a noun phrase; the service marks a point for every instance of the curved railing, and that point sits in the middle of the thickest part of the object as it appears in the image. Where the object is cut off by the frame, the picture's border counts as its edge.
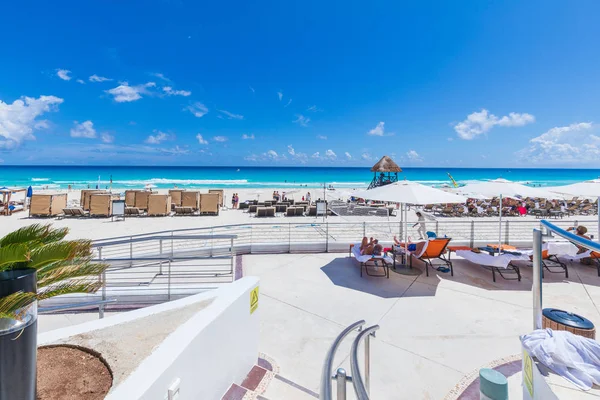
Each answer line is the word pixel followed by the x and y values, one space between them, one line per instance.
pixel 326 378
pixel 362 388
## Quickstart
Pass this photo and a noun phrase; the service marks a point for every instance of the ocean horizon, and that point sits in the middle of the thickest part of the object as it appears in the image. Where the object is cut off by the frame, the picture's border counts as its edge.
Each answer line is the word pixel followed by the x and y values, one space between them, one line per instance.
pixel 80 177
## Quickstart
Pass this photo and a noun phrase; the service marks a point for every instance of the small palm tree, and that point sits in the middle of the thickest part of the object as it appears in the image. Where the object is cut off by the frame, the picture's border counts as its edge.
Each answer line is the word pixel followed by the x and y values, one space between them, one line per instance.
pixel 62 266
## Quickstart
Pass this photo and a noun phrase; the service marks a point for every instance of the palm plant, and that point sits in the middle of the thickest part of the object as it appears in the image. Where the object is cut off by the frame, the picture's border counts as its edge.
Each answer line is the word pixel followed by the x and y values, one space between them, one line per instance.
pixel 62 266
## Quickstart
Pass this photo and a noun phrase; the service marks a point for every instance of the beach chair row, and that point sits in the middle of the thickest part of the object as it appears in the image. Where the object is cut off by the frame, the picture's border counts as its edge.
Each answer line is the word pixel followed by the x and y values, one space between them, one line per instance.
pixel 288 211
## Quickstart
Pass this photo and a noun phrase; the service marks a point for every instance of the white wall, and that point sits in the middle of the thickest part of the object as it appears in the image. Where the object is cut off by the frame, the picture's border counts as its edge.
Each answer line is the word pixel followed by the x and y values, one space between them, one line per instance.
pixel 215 348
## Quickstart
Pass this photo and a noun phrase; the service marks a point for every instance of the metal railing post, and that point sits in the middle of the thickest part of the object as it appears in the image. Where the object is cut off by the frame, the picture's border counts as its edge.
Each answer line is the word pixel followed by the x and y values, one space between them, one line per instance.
pixel 289 237
pixel 364 229
pixel 537 279
pixel 102 279
pixel 172 243
pixel 437 228
pixel 472 241
pixel 341 377
pixel 232 256
pixel 507 234
pixel 169 282
pixel 161 252
pixel 368 362
pixel 326 237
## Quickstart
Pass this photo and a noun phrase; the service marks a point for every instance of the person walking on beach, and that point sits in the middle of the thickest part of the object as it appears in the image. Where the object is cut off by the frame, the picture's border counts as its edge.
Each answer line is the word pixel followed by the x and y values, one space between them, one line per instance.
pixel 422 228
pixel 233 201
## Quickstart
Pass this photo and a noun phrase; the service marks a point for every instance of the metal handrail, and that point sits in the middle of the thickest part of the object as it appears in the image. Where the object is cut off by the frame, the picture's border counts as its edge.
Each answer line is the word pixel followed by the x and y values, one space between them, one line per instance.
pixel 325 391
pixel 126 239
pixel 362 388
pixel 76 305
pixel 571 237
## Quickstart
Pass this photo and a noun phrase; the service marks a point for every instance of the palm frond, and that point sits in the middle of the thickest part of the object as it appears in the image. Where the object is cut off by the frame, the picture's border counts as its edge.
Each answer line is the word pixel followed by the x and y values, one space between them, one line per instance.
pixel 11 304
pixel 12 254
pixel 71 271
pixel 35 233
pixel 70 287
pixel 58 251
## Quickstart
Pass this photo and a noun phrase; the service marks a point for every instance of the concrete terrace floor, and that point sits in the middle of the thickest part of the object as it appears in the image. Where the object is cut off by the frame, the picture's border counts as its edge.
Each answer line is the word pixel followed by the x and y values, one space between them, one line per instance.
pixel 434 330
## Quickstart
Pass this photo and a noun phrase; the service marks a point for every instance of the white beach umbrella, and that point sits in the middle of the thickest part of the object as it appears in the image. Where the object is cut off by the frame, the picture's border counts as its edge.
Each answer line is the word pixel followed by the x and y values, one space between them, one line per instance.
pixel 581 189
pixel 589 189
pixel 505 188
pixel 407 192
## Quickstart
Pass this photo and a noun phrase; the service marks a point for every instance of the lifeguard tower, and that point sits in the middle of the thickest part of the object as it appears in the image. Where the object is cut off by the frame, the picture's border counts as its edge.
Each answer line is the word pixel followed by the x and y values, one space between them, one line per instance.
pixel 385 172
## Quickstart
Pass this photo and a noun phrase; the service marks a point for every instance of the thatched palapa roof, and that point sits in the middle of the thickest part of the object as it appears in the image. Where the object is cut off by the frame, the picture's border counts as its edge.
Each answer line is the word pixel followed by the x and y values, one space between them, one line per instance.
pixel 386 164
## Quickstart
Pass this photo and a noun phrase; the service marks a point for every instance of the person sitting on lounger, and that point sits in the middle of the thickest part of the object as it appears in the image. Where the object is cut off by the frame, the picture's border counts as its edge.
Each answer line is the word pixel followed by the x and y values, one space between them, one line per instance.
pixel 581 232
pixel 416 248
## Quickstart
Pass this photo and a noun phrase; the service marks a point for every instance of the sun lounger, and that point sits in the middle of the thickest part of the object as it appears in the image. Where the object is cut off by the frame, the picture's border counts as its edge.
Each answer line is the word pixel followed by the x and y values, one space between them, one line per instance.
pixel 312 211
pixel 133 211
pixel 209 203
pixel 281 208
pixel 502 263
pixel 383 261
pixel 75 212
pixel 252 208
pixel 290 211
pixel 299 211
pixel 436 249
pixel 184 211
pixel 265 212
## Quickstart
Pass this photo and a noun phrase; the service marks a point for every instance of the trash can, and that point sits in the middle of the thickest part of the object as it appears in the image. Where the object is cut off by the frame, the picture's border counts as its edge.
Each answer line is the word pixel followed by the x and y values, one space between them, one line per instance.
pixel 560 320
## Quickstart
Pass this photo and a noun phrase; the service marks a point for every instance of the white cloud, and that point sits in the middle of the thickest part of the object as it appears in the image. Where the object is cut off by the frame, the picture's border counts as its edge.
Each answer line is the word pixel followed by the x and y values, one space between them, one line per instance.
pixel 63 74
pixel 220 139
pixel 107 137
pixel 248 137
pixel 83 130
pixel 157 138
pixel 365 156
pixel 125 93
pixel 413 155
pixel 280 95
pixel 572 144
pixel 348 155
pixel 174 151
pixel 330 154
pixel 80 81
pixel 301 120
pixel 313 109
pixel 321 137
pixel 251 157
pixel 19 119
pixel 197 109
pixel 272 154
pixel 230 115
pixel 172 92
pixel 316 155
pixel 160 76
pixel 482 122
pixel 97 78
pixel 450 139
pixel 201 140
pixel 288 103
pixel 291 150
pixel 379 130
pixel 251 88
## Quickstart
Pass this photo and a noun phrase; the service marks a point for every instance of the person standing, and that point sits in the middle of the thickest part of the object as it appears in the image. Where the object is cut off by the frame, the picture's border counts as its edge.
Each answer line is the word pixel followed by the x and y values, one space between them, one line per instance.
pixel 422 228
pixel 308 197
pixel 233 201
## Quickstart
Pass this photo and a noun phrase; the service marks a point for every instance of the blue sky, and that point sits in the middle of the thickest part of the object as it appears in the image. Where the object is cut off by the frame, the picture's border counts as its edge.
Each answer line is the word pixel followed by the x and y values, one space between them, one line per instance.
pixel 463 84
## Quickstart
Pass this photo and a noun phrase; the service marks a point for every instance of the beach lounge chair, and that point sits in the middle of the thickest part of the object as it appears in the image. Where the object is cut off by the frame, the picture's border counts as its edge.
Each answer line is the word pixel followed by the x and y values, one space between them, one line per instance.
pixel 290 211
pixel 159 204
pixel 281 208
pixel 47 205
pixel 501 264
pixel 130 197
pixel 312 211
pixel 209 203
pixel 176 197
pixel 265 212
pixel 378 261
pixel 252 208
pixel 436 250
pixel 221 194
pixel 101 205
pixel 191 199
pixel 184 210
pixel 75 212
pixel 84 200
pixel 299 211
pixel 133 211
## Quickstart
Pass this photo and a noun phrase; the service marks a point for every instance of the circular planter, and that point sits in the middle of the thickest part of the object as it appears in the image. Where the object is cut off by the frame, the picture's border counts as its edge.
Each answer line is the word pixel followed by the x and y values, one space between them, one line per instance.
pixel 18 339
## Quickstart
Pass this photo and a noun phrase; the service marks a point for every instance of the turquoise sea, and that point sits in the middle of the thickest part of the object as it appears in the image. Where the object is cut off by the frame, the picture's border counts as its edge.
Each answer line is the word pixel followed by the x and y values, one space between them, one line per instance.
pixel 79 177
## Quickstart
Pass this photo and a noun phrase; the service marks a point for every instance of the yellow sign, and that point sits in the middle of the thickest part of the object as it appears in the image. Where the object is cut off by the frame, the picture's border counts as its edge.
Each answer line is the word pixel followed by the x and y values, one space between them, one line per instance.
pixel 528 372
pixel 253 299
